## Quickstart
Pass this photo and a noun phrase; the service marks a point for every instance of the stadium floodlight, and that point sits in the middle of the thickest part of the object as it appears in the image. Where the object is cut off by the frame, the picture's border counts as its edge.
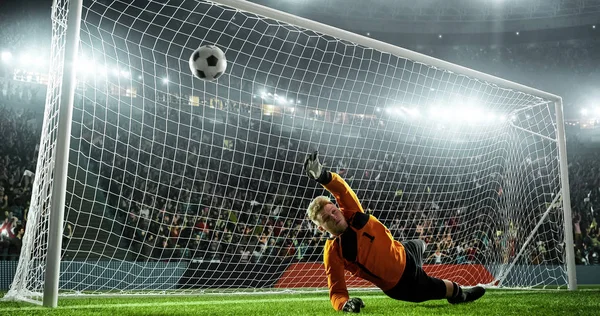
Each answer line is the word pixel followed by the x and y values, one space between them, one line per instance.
pixel 6 56
pixel 584 112
pixel 490 117
pixel 411 112
pixel 165 80
pixel 207 158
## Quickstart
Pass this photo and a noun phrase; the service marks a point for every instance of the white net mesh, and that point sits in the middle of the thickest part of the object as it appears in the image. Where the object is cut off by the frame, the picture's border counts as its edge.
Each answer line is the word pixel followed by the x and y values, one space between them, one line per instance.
pixel 179 184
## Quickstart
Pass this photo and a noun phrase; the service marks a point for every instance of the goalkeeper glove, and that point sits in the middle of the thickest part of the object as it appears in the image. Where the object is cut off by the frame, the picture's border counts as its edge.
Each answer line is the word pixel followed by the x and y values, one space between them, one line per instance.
pixel 353 305
pixel 314 169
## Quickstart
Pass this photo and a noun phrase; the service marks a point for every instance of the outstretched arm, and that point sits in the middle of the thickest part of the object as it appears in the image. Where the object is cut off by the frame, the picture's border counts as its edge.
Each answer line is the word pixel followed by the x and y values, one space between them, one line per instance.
pixel 343 193
pixel 336 279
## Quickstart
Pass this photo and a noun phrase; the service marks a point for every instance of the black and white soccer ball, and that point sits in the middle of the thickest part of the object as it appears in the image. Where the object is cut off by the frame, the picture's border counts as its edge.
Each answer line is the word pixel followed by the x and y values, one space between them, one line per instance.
pixel 208 62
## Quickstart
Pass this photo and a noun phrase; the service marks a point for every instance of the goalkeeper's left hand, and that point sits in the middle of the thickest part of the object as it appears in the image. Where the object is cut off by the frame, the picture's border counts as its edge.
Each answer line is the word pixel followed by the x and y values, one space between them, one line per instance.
pixel 312 166
pixel 353 305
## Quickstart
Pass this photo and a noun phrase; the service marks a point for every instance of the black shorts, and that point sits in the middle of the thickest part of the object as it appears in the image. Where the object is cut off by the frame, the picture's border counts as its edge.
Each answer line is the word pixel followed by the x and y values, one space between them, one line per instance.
pixel 415 285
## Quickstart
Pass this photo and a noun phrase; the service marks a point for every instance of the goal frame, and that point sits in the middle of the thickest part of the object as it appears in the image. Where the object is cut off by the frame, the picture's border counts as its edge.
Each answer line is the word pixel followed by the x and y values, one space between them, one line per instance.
pixel 67 94
pixel 61 158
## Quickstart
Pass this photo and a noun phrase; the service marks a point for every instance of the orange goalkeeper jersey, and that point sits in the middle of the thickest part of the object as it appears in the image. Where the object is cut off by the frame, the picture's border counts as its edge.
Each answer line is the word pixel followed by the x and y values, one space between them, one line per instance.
pixel 366 248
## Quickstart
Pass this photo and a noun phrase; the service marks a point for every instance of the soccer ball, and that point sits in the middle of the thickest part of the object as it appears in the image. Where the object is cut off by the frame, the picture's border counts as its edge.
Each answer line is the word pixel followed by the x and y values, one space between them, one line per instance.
pixel 208 62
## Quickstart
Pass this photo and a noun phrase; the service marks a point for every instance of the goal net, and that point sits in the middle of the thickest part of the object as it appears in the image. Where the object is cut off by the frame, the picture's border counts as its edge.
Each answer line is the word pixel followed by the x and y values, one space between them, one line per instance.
pixel 178 185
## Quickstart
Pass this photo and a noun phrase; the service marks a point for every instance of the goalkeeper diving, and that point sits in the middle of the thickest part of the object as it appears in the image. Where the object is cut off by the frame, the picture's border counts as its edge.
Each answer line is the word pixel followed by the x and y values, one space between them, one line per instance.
pixel 364 246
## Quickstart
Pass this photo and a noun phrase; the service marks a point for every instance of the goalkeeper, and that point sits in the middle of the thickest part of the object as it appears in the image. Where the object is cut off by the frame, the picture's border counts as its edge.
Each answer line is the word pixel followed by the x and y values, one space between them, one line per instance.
pixel 364 246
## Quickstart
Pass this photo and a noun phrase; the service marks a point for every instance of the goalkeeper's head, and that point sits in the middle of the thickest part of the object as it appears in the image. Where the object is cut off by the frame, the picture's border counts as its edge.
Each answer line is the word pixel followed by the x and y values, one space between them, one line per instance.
pixel 327 216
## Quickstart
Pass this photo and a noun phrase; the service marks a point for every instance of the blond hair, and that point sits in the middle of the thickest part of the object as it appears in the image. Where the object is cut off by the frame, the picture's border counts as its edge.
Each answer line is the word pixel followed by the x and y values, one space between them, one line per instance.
pixel 316 206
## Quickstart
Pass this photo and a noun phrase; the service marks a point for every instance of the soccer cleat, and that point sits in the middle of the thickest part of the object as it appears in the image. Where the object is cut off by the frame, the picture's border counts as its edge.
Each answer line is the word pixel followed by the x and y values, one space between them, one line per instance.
pixel 468 295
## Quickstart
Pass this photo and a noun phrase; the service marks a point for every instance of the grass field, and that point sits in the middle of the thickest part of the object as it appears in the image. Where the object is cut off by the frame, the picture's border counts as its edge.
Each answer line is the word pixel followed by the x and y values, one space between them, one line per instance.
pixel 496 302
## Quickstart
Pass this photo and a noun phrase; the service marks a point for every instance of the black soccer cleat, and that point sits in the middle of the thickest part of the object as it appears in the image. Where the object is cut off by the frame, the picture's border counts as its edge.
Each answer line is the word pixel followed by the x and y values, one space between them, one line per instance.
pixel 468 295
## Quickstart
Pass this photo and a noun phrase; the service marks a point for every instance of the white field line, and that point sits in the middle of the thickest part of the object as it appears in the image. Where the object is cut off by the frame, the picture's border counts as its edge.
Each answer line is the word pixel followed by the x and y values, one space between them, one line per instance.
pixel 242 301
pixel 179 303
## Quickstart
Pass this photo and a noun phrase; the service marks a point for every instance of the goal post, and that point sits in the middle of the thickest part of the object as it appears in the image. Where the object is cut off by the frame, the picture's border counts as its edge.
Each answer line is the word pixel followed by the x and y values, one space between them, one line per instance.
pixel 170 184
pixel 63 141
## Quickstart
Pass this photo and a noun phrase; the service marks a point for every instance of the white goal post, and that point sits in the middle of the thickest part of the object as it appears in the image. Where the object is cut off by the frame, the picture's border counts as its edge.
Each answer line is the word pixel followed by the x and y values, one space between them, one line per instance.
pixel 501 176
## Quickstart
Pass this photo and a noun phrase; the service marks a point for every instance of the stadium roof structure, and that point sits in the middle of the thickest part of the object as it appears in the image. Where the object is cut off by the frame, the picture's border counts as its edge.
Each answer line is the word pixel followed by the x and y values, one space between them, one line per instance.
pixel 443 16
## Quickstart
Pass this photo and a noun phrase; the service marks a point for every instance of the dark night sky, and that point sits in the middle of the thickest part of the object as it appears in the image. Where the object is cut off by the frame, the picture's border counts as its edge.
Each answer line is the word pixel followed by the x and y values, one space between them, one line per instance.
pixel 19 7
pixel 25 24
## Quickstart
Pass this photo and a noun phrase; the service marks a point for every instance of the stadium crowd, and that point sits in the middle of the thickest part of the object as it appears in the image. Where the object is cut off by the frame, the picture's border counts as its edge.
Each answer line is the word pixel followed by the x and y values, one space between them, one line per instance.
pixel 214 195
pixel 17 161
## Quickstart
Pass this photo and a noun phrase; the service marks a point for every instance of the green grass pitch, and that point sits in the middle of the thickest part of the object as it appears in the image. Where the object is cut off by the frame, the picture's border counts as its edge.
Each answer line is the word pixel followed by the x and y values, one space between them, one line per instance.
pixel 495 302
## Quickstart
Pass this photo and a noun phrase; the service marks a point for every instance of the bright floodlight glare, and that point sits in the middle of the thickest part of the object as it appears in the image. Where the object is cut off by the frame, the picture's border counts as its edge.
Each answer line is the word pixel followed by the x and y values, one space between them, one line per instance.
pixel 42 63
pixel 411 112
pixel 102 70
pixel 6 56
pixel 165 80
pixel 84 66
pixel 25 59
pixel 584 111
pixel 433 112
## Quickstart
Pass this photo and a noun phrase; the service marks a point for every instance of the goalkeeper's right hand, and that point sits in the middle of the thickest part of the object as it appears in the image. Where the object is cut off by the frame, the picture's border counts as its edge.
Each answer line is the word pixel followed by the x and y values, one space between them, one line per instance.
pixel 312 166
pixel 353 305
